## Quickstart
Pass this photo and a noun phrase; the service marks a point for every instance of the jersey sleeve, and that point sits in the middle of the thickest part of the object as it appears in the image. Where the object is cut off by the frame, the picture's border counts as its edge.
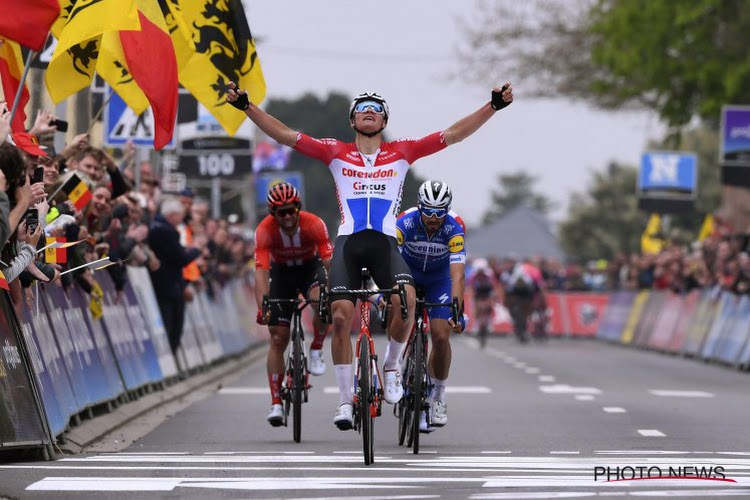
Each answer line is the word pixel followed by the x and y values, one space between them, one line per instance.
pixel 323 242
pixel 262 247
pixel 324 150
pixel 400 229
pixel 414 149
pixel 457 243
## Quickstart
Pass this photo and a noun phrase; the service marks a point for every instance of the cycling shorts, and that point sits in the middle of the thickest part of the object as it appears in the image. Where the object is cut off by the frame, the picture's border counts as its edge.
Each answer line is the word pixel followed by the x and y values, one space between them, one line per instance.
pixel 371 249
pixel 437 289
pixel 287 282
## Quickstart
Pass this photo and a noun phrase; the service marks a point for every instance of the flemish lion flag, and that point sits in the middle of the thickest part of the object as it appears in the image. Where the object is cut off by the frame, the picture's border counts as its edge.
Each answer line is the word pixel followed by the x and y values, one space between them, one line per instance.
pixel 214 37
pixel 651 239
pixel 11 71
pixel 77 191
pixel 79 33
pixel 55 254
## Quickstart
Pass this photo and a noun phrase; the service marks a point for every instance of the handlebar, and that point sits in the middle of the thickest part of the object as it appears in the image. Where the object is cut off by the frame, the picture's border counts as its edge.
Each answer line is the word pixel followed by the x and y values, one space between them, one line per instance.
pixel 455 309
pixel 266 304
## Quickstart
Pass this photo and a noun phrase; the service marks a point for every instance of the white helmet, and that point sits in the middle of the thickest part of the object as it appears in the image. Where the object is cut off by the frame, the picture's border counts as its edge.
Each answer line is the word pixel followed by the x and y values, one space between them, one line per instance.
pixel 434 194
pixel 369 96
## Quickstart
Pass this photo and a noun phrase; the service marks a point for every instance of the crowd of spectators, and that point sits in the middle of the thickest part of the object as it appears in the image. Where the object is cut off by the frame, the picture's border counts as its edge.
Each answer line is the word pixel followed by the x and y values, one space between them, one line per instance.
pixel 129 223
pixel 720 261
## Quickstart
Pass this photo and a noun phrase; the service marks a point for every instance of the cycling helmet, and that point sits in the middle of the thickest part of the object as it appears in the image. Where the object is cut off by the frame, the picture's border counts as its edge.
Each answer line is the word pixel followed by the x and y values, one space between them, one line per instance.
pixel 369 96
pixel 282 193
pixel 434 194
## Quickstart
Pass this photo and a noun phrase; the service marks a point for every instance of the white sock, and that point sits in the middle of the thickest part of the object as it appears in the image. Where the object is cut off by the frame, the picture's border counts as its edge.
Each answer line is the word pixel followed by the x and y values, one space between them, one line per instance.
pixel 344 379
pixel 393 354
pixel 438 391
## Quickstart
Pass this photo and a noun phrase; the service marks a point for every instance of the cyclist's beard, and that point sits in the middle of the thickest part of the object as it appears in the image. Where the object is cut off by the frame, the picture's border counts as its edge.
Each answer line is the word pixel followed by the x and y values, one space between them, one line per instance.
pixel 369 134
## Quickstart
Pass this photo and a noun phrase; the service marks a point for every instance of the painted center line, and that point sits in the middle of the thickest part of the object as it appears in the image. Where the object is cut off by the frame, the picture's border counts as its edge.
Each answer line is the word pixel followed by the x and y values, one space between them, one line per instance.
pixel 680 394
pixel 243 390
pixel 567 389
pixel 614 409
pixel 584 397
pixel 546 378
pixel 651 433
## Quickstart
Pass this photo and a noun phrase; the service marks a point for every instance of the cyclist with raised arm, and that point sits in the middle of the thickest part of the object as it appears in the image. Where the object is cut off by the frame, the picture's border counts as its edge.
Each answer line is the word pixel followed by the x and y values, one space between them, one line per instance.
pixel 292 254
pixel 369 174
pixel 431 239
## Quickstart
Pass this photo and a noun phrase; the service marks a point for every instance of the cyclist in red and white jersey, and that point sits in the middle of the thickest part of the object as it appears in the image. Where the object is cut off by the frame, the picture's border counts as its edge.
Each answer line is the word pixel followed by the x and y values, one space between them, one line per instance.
pixel 369 174
pixel 292 253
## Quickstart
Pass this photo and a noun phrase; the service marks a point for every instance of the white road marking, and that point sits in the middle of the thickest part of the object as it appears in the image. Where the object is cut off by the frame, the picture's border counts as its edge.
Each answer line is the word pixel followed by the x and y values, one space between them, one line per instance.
pixel 546 378
pixel 498 452
pixel 533 494
pixel 230 391
pixel 567 389
pixel 532 370
pixel 614 409
pixel 564 452
pixel 681 394
pixel 584 397
pixel 651 433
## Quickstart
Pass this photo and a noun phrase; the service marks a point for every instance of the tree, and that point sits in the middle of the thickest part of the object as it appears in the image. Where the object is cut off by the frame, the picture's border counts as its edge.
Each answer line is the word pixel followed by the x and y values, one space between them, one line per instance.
pixel 323 118
pixel 516 189
pixel 680 58
pixel 605 220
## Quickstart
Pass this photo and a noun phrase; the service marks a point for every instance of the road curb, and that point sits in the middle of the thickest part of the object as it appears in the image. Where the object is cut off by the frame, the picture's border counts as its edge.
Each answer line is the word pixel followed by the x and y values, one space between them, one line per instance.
pixel 76 439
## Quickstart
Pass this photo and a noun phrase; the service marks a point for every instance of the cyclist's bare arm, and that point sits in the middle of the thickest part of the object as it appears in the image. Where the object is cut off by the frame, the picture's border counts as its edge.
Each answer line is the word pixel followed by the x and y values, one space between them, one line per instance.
pixel 458 270
pixel 466 126
pixel 272 127
pixel 261 285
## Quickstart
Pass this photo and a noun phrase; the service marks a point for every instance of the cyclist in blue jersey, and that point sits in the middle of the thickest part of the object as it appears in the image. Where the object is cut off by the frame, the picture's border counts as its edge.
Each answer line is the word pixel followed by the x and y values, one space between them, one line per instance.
pixel 431 240
pixel 369 174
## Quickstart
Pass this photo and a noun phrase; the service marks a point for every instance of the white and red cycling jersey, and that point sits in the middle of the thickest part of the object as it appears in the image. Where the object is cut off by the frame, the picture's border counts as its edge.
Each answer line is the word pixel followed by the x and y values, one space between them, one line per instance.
pixel 369 187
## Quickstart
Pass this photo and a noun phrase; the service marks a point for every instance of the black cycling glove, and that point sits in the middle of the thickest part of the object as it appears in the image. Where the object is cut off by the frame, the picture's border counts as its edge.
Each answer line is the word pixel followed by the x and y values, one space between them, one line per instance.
pixel 242 101
pixel 497 99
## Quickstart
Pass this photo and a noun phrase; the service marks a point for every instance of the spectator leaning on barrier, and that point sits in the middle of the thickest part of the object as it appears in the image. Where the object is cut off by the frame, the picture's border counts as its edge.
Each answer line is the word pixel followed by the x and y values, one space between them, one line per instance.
pixel 169 285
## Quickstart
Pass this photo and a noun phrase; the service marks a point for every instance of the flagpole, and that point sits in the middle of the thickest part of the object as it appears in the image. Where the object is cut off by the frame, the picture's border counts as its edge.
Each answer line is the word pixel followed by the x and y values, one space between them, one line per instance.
pixel 21 85
pixel 99 113
pixel 88 264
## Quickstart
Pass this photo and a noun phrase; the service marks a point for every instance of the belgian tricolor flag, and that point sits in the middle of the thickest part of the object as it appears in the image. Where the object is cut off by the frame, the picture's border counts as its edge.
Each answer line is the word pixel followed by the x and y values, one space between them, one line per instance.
pixel 54 254
pixel 77 191
pixel 3 282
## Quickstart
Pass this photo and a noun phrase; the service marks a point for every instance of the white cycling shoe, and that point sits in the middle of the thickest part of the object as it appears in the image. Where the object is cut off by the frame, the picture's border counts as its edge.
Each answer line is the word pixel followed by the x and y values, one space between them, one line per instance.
pixel 317 363
pixel 276 416
pixel 424 426
pixel 393 390
pixel 343 419
pixel 439 414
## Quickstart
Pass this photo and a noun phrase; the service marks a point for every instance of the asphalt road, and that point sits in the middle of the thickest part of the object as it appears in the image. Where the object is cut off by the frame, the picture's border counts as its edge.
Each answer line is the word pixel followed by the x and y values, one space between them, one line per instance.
pixel 562 419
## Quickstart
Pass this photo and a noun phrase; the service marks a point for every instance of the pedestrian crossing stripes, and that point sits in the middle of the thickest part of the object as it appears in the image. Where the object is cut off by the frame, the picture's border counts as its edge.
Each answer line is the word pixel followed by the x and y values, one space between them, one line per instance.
pixel 489 474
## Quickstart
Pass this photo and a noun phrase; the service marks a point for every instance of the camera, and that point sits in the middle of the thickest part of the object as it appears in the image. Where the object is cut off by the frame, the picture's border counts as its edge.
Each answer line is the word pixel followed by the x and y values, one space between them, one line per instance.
pixel 62 125
pixel 38 175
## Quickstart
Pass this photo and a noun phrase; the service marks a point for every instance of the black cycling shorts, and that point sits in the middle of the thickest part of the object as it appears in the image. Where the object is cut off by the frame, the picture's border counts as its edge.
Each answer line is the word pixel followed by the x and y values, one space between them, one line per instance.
pixel 371 249
pixel 287 282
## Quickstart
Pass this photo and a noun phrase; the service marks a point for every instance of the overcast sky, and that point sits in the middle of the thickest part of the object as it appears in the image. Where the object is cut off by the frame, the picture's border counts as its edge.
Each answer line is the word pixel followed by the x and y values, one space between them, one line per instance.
pixel 404 50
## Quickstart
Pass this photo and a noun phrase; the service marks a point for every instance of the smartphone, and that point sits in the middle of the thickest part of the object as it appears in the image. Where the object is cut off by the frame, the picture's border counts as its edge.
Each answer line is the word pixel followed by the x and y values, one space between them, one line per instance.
pixel 32 219
pixel 62 125
pixel 38 175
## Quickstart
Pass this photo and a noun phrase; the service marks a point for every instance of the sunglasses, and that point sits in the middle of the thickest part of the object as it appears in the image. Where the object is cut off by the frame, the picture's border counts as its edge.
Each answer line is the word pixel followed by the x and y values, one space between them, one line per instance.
pixel 373 106
pixel 283 212
pixel 437 213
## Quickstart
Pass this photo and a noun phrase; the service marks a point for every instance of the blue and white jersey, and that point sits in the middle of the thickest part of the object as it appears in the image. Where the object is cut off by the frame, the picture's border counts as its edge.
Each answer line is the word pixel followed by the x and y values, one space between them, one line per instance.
pixel 433 255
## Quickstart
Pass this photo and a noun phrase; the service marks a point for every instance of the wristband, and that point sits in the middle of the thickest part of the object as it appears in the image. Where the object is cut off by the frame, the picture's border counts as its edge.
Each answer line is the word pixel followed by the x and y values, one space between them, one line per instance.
pixel 242 102
pixel 497 102
pixel 259 318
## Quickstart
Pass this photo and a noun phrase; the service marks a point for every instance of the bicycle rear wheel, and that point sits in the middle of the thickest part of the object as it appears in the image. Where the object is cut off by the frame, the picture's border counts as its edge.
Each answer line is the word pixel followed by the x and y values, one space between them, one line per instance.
pixel 403 406
pixel 365 400
pixel 298 384
pixel 417 388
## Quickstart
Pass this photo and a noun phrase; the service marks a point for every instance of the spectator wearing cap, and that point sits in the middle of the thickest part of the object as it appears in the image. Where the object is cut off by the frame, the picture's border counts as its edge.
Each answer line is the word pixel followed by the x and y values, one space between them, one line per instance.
pixel 169 284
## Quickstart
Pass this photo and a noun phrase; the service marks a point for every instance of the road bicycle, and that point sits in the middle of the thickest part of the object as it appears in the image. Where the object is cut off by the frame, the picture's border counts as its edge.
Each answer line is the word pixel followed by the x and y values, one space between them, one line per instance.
pixel 416 377
pixel 368 387
pixel 294 389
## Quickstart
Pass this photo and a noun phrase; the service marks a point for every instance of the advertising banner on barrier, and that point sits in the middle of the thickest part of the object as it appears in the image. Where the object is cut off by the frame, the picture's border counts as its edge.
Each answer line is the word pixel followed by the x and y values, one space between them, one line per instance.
pixel 20 421
pixel 721 326
pixel 648 319
pixel 204 329
pixel 56 418
pixel 687 310
pixel 75 362
pixel 666 320
pixel 68 320
pixel 584 312
pixel 735 333
pixel 193 356
pixel 144 292
pixel 628 333
pixel 140 329
pixel 106 355
pixel 616 315
pixel 126 347
pixel 743 323
pixel 705 312
pixel 556 324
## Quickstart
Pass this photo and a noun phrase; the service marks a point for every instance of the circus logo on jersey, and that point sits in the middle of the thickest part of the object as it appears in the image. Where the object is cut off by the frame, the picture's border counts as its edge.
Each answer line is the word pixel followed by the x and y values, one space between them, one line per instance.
pixel 378 174
pixel 456 244
pixel 363 187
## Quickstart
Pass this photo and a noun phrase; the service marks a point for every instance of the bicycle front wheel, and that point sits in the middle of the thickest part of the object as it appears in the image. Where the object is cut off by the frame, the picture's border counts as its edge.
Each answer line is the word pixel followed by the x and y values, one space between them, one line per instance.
pixel 365 400
pixel 417 388
pixel 298 385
